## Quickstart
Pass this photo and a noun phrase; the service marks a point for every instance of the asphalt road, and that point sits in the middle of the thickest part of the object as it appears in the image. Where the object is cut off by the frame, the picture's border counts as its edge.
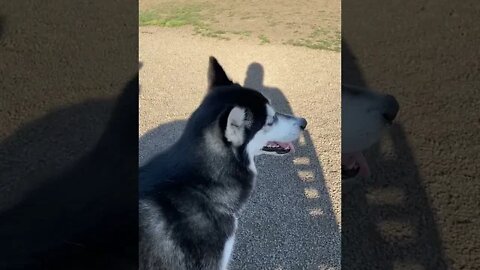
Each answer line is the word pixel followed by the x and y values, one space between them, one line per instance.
pixel 293 218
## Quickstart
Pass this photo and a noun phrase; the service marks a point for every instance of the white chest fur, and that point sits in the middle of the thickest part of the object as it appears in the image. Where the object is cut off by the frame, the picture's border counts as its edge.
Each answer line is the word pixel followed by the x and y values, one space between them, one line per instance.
pixel 228 249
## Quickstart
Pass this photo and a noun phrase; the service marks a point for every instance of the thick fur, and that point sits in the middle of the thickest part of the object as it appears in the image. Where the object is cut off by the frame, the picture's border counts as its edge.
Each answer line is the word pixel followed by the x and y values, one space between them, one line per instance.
pixel 363 117
pixel 190 194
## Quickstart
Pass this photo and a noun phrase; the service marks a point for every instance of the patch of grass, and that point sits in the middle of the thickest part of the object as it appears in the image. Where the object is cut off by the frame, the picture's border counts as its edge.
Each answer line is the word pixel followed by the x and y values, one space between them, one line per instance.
pixel 205 31
pixel 328 45
pixel 242 33
pixel 319 39
pixel 263 39
pixel 168 16
pixel 149 18
pixel 172 15
pixel 319 32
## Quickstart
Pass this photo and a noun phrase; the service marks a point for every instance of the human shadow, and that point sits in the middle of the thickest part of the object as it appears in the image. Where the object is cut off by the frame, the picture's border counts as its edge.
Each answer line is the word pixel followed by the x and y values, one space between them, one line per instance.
pixel 82 210
pixel 289 222
pixel 387 221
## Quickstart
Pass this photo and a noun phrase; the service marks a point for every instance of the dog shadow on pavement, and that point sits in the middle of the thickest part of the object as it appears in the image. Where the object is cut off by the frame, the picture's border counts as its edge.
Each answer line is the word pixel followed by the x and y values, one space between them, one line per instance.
pixel 387 222
pixel 289 221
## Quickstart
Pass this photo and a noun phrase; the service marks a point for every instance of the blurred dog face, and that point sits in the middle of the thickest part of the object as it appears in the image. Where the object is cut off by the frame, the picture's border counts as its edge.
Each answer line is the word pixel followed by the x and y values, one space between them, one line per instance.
pixel 365 115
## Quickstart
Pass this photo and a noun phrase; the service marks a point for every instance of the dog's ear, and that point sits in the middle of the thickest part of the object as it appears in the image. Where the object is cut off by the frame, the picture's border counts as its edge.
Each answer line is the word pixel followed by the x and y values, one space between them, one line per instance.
pixel 216 74
pixel 235 127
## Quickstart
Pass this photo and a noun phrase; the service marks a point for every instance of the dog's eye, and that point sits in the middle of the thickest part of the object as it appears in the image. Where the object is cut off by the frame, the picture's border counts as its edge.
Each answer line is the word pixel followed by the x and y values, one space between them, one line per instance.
pixel 274 119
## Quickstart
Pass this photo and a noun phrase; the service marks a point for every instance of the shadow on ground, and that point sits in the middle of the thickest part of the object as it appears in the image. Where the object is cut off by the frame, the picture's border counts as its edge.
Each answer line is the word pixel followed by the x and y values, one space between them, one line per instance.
pixel 387 220
pixel 77 216
pixel 68 133
pixel 289 221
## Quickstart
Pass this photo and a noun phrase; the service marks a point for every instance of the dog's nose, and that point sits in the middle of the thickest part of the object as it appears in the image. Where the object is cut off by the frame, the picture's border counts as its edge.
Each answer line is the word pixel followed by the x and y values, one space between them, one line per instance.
pixel 391 108
pixel 303 123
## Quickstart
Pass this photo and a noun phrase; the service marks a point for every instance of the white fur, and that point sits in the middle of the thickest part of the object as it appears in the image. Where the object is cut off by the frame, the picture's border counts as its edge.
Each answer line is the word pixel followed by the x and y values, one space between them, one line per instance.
pixel 362 120
pixel 270 111
pixel 252 166
pixel 235 126
pixel 285 129
pixel 228 249
pixel 227 252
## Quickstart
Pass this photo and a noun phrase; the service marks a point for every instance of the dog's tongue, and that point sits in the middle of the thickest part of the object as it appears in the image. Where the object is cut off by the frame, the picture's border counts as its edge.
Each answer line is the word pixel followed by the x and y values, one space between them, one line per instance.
pixel 287 145
pixel 349 160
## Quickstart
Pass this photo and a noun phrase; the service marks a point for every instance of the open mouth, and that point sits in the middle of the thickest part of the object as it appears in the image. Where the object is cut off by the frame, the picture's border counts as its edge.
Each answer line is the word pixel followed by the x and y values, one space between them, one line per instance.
pixel 354 164
pixel 280 148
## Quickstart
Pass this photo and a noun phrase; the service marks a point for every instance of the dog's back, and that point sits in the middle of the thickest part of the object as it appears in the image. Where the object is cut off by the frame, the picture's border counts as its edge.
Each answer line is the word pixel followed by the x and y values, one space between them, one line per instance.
pixel 180 226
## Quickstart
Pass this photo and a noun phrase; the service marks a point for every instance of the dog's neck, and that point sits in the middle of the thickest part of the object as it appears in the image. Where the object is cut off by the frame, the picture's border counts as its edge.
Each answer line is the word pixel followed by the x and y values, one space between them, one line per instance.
pixel 220 150
pixel 233 182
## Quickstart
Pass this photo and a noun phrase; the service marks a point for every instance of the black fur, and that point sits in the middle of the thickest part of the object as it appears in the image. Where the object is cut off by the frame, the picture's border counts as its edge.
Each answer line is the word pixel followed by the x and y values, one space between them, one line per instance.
pixel 216 74
pixel 180 181
pixel 185 154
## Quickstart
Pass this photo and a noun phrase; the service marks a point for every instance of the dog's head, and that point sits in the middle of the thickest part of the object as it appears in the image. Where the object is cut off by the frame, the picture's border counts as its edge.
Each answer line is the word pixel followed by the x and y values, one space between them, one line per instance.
pixel 365 114
pixel 243 118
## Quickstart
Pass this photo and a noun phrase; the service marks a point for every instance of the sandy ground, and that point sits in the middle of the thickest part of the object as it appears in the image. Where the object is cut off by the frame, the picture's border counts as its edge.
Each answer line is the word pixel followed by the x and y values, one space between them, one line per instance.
pixel 302 22
pixel 63 65
pixel 293 219
pixel 422 209
pixel 57 85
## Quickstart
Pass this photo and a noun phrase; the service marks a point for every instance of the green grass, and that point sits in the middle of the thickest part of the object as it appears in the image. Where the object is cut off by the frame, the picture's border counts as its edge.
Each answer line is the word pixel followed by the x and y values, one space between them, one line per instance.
pixel 319 39
pixel 242 33
pixel 201 16
pixel 171 17
pixel 206 31
pixel 263 39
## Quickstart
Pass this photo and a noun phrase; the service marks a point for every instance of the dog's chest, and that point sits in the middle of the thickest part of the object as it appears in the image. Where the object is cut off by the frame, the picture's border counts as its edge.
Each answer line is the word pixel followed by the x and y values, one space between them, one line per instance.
pixel 228 247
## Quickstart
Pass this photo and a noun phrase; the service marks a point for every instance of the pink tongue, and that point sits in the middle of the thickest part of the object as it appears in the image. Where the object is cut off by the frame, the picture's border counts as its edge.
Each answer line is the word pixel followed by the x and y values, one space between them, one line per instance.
pixel 287 145
pixel 349 160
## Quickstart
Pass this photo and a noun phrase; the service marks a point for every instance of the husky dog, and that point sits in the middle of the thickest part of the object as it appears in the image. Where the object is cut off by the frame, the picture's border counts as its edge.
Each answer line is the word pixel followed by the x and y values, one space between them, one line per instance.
pixel 365 114
pixel 190 194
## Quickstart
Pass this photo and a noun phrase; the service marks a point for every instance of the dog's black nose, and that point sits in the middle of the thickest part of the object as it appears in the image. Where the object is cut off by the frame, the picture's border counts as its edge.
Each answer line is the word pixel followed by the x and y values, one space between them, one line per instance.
pixel 391 108
pixel 303 123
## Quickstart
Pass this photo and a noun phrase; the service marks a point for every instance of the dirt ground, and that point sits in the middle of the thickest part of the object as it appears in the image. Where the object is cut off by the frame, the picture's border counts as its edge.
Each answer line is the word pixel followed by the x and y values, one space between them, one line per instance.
pixel 37 62
pixel 293 219
pixel 63 65
pixel 313 24
pixel 422 209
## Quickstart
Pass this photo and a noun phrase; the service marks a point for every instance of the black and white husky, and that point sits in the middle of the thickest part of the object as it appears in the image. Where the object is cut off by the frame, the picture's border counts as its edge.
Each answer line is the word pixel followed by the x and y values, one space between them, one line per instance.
pixel 365 115
pixel 190 194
